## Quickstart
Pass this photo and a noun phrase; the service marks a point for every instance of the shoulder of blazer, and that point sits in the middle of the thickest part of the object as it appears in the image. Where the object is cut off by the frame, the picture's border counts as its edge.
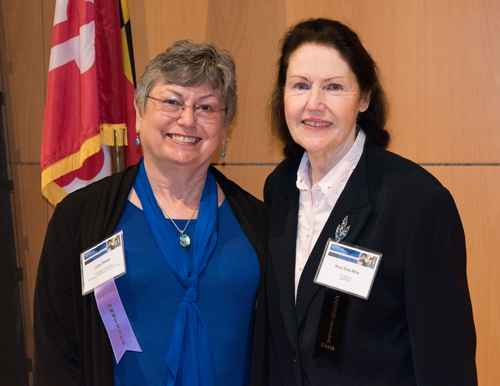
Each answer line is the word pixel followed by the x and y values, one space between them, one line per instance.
pixel 236 195
pixel 281 179
pixel 284 168
pixel 381 162
pixel 95 210
pixel 109 186
pixel 248 210
pixel 251 213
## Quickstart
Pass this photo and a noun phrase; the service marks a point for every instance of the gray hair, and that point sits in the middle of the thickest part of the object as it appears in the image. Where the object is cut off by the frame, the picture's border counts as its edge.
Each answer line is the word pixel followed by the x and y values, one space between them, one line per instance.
pixel 190 64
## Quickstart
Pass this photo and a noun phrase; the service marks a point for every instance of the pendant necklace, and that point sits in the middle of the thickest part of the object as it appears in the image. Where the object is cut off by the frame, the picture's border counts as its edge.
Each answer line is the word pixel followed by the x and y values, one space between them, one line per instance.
pixel 184 239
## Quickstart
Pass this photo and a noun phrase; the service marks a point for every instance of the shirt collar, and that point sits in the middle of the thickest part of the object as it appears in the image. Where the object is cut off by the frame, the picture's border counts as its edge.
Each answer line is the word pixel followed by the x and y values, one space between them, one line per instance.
pixel 303 181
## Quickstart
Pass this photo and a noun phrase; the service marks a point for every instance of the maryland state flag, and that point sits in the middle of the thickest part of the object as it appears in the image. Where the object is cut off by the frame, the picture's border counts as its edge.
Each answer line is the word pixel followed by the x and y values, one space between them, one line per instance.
pixel 90 92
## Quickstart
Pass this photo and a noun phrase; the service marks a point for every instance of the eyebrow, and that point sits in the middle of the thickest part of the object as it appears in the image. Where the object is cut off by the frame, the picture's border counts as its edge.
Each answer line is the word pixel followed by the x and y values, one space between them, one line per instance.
pixel 178 94
pixel 324 80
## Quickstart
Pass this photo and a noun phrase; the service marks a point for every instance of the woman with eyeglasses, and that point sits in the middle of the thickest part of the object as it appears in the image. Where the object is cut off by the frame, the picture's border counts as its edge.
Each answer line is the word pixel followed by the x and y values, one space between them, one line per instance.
pixel 194 246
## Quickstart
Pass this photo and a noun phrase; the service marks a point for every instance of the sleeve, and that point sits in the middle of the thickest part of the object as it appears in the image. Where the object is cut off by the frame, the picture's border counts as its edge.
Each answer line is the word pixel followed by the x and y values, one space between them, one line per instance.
pixel 438 305
pixel 268 187
pixel 57 357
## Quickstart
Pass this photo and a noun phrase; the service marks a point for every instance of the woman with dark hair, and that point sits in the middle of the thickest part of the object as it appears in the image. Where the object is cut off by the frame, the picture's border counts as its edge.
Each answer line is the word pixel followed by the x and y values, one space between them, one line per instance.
pixel 338 182
pixel 194 244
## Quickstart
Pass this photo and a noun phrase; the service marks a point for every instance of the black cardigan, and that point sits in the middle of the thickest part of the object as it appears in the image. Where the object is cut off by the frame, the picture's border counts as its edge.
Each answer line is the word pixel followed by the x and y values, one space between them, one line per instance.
pixel 71 344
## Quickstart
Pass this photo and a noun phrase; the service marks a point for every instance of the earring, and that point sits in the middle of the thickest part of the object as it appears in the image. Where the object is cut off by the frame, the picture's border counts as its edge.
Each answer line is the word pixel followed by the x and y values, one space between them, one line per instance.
pixel 137 141
pixel 223 151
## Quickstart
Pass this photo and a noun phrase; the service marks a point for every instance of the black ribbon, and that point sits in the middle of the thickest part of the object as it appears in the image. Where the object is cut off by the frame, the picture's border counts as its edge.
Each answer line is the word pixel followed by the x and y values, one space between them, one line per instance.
pixel 331 325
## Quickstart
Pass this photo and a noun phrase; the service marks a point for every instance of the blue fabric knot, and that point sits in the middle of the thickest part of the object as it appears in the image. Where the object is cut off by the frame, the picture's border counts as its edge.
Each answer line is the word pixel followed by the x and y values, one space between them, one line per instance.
pixel 192 280
pixel 191 295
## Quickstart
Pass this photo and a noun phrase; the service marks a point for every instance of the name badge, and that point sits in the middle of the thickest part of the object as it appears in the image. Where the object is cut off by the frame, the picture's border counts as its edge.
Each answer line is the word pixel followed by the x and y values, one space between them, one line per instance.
pixel 348 268
pixel 102 262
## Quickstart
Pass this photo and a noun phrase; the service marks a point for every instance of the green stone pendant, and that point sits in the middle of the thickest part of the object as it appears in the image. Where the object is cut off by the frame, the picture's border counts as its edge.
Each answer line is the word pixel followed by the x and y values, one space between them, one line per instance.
pixel 185 241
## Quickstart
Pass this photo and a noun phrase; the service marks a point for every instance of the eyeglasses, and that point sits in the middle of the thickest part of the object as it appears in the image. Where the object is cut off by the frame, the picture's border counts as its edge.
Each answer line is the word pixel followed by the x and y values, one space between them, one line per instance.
pixel 173 108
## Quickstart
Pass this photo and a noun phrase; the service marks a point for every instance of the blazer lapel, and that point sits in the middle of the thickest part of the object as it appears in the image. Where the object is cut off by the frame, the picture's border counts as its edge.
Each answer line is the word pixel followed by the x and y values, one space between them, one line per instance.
pixel 354 203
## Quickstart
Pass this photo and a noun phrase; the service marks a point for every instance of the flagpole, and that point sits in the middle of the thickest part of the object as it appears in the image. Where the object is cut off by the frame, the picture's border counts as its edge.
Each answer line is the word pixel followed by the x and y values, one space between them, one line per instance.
pixel 117 155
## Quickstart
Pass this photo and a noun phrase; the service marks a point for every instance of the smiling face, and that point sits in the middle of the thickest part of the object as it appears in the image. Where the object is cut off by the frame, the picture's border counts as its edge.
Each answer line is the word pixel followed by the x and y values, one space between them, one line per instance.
pixel 185 140
pixel 322 100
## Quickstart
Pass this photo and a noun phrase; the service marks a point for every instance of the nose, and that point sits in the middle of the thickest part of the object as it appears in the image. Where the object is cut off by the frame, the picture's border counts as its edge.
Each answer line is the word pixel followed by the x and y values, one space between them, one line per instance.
pixel 186 115
pixel 316 99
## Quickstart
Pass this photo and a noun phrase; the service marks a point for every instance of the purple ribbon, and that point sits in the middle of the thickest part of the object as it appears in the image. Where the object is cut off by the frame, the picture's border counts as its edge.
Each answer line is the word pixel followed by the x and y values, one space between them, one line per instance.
pixel 115 319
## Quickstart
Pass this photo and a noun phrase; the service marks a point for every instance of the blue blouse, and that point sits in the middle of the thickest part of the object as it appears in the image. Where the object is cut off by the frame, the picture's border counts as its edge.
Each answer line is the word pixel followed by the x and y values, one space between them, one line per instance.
pixel 151 295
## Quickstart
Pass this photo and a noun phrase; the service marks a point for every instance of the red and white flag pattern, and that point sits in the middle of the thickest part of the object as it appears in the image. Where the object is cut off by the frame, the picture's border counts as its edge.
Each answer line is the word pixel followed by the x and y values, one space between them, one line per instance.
pixel 89 97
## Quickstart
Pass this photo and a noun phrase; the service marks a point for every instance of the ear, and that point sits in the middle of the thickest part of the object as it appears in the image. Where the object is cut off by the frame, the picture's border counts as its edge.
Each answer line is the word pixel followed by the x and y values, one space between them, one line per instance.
pixel 138 119
pixel 364 102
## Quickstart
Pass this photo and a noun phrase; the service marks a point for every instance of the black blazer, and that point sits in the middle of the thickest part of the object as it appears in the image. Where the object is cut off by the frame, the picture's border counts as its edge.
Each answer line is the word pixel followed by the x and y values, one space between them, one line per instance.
pixel 417 325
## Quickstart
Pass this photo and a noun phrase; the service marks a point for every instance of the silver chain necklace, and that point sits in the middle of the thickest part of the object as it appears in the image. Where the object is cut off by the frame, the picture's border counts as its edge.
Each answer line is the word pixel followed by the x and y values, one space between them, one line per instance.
pixel 184 239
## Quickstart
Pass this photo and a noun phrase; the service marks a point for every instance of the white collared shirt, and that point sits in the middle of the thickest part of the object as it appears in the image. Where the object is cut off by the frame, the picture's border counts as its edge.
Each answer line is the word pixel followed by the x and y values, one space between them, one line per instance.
pixel 316 202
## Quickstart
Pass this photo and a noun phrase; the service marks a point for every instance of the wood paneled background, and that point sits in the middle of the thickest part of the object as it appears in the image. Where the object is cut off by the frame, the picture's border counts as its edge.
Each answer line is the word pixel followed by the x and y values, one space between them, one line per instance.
pixel 440 62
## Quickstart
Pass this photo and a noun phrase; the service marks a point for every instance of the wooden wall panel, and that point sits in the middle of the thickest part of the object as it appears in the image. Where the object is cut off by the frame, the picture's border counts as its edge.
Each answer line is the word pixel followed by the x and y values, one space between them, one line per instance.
pixel 475 190
pixel 251 177
pixel 156 24
pixel 24 55
pixel 23 77
pixel 31 222
pixel 439 62
pixel 250 30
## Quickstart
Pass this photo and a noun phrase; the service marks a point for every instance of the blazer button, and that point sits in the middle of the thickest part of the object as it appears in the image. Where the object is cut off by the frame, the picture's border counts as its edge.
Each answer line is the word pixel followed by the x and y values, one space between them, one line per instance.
pixel 295 358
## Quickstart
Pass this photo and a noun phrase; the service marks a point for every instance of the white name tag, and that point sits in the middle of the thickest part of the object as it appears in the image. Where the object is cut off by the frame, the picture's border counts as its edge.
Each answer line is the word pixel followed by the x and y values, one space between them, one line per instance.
pixel 103 262
pixel 348 268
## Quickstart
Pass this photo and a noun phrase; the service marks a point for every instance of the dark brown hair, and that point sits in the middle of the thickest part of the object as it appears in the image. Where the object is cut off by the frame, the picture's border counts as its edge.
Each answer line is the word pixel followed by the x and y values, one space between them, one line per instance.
pixel 336 35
